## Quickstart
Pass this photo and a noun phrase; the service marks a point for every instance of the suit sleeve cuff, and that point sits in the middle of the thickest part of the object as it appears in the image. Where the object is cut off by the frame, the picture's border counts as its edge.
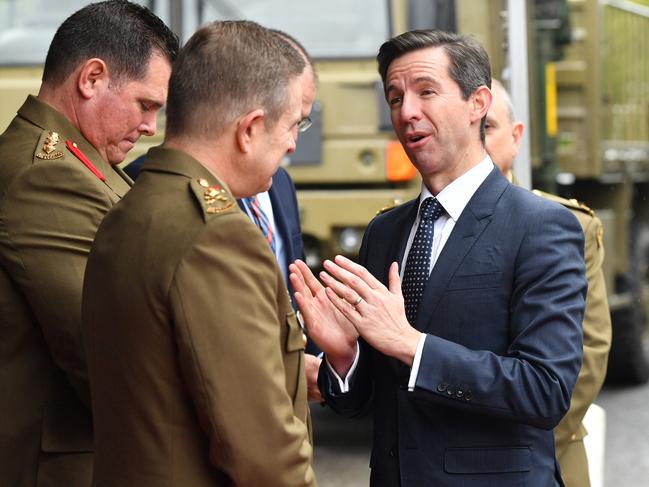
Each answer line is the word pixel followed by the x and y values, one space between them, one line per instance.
pixel 415 363
pixel 344 384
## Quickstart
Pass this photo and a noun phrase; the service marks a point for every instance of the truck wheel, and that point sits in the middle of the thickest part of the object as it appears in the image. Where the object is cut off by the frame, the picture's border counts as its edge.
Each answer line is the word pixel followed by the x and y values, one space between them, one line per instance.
pixel 629 357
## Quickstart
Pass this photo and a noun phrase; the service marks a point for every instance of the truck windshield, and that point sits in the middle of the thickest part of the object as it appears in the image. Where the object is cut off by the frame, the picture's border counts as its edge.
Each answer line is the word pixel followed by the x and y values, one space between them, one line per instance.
pixel 331 29
pixel 27 28
pixel 327 29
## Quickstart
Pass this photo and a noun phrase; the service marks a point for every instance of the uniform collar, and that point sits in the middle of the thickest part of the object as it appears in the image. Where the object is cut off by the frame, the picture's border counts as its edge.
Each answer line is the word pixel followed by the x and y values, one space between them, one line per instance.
pixel 163 159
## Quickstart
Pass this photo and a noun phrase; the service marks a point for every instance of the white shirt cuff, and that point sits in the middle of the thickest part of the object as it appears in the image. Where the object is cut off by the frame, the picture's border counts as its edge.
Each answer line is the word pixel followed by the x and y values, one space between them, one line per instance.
pixel 415 363
pixel 344 385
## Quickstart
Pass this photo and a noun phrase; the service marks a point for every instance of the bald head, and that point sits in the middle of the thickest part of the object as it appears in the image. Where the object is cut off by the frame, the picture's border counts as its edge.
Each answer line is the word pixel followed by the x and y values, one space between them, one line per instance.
pixel 503 132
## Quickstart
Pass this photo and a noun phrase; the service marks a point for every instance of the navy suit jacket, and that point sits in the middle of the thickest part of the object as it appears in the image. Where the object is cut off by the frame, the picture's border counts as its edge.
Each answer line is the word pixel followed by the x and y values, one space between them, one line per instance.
pixel 287 218
pixel 502 311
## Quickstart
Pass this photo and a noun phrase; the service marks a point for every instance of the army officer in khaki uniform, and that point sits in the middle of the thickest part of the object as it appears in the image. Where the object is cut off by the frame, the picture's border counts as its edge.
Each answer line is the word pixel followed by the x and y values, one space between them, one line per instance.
pixel 503 138
pixel 196 360
pixel 105 76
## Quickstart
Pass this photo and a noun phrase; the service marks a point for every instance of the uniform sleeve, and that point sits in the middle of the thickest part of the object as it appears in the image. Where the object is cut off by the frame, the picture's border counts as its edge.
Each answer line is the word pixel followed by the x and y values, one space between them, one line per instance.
pixel 224 305
pixel 50 216
pixel 531 383
pixel 597 339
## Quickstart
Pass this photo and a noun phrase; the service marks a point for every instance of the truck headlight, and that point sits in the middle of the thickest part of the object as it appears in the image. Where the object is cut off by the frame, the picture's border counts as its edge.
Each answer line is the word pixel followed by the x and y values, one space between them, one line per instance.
pixel 350 239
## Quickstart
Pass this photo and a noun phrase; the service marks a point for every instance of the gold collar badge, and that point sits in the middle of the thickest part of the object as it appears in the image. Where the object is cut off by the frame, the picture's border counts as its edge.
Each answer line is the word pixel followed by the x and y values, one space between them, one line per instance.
pixel 49 152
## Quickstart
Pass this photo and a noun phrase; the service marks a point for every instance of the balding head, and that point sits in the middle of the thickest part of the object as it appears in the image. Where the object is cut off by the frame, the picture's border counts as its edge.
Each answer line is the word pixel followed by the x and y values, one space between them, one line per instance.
pixel 503 132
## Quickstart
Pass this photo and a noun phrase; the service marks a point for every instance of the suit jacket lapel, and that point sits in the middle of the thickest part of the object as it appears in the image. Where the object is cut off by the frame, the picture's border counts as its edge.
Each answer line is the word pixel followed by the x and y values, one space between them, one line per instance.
pixel 472 222
pixel 396 233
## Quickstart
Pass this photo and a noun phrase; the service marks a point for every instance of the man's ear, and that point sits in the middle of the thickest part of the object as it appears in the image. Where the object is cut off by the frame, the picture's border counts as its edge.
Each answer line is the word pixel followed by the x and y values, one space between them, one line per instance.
pixel 481 101
pixel 517 133
pixel 93 77
pixel 249 128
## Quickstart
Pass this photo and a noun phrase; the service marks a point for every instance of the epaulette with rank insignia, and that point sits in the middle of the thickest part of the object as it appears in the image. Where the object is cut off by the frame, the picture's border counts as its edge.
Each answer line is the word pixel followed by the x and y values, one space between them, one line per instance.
pixel 47 144
pixel 385 209
pixel 571 204
pixel 213 198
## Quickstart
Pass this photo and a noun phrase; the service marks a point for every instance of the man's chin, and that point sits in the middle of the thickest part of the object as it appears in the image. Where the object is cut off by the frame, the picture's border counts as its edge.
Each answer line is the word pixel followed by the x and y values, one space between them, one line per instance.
pixel 269 183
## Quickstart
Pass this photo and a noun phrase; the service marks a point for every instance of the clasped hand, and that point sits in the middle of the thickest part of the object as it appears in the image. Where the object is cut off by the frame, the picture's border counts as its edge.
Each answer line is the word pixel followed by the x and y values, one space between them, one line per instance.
pixel 353 303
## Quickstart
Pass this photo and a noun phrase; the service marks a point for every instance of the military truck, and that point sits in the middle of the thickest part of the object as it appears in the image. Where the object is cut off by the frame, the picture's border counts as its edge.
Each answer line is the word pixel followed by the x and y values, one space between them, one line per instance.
pixel 584 95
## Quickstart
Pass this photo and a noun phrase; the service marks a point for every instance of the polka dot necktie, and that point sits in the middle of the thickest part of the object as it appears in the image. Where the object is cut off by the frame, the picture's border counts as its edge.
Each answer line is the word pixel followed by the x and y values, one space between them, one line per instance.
pixel 415 274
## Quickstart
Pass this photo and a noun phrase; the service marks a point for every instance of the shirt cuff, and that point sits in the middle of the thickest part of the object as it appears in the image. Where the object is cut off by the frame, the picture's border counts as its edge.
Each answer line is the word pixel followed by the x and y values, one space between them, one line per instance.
pixel 344 385
pixel 415 363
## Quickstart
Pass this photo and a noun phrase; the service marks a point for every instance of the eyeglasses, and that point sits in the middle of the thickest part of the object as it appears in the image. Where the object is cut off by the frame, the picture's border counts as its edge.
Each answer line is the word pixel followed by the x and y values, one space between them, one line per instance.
pixel 304 124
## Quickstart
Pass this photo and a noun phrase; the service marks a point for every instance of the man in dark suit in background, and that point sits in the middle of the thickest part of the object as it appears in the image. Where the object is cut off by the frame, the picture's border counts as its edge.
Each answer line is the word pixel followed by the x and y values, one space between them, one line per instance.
pixel 469 358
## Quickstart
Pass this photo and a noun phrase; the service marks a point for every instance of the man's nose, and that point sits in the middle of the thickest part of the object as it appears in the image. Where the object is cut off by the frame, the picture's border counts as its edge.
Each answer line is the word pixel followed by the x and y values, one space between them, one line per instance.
pixel 148 125
pixel 293 142
pixel 410 109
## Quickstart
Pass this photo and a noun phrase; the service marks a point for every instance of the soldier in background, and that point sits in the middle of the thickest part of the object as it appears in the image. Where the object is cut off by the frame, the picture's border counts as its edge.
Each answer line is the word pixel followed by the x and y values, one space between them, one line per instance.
pixel 208 388
pixel 104 79
pixel 503 135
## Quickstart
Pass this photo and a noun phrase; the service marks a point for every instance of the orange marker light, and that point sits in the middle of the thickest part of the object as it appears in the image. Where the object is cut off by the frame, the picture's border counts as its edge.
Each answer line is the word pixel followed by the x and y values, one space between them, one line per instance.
pixel 397 165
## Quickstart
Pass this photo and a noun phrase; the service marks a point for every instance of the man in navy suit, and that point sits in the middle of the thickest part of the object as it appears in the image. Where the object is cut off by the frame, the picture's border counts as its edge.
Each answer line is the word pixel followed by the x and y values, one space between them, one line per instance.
pixel 471 363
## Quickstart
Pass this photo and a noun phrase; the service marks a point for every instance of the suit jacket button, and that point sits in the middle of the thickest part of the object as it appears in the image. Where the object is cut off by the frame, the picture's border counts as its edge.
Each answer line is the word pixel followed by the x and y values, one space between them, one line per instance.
pixel 450 391
pixel 393 453
pixel 442 386
pixel 459 393
pixel 468 396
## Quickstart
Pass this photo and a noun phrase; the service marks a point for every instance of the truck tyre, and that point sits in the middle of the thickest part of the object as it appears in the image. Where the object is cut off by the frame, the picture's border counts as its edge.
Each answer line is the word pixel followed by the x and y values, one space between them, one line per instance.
pixel 629 357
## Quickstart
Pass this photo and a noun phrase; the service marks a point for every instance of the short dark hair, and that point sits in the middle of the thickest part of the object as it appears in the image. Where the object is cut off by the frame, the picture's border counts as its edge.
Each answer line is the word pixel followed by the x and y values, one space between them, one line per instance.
pixel 124 34
pixel 227 69
pixel 469 62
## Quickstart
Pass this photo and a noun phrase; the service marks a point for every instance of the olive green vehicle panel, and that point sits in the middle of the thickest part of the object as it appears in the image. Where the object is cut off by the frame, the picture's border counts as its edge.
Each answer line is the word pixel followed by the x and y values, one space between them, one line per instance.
pixel 15 84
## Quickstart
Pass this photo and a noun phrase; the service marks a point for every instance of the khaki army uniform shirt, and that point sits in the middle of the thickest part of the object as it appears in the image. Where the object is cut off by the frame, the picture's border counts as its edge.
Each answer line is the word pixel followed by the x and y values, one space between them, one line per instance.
pixel 196 360
pixel 570 432
pixel 51 204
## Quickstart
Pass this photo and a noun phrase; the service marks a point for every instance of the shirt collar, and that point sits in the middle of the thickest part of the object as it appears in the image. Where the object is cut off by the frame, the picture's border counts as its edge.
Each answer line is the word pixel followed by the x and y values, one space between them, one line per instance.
pixel 458 193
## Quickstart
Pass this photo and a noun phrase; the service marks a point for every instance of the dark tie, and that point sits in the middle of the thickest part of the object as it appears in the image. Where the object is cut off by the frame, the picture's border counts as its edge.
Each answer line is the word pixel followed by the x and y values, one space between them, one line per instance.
pixel 260 219
pixel 415 274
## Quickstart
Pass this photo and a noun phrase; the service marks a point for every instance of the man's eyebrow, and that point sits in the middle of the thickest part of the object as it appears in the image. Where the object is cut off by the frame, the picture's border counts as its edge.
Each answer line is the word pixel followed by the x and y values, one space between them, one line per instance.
pixel 150 101
pixel 426 79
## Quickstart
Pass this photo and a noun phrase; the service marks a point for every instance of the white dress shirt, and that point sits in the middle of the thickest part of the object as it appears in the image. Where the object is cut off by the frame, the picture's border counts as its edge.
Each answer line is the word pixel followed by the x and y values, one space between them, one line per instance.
pixel 454 199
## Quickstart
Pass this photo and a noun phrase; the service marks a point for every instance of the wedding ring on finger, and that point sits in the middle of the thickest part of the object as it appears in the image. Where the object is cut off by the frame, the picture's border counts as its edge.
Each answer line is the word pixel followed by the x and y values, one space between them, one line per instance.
pixel 357 302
